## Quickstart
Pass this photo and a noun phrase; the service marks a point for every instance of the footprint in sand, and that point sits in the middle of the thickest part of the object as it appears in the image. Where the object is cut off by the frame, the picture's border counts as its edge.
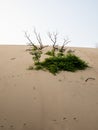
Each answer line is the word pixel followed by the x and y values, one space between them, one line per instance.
pixel 75 119
pixel 12 126
pixel 34 88
pixel 34 98
pixel 13 58
pixel 24 124
pixel 59 80
pixel 2 126
pixel 64 118
pixel 54 120
pixel 27 126
pixel 13 76
pixel 15 85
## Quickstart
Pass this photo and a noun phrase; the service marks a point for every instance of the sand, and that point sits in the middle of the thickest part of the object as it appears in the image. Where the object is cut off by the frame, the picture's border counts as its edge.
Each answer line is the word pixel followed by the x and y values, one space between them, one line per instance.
pixel 38 100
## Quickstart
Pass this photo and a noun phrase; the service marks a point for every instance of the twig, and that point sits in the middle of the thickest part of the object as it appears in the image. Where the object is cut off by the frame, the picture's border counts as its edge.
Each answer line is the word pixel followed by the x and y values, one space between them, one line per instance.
pixel 31 43
pixel 66 41
pixel 89 78
pixel 53 38
pixel 38 37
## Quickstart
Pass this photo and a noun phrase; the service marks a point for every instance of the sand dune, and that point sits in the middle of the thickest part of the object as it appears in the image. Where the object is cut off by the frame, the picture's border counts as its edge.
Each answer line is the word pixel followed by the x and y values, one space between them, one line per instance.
pixel 38 100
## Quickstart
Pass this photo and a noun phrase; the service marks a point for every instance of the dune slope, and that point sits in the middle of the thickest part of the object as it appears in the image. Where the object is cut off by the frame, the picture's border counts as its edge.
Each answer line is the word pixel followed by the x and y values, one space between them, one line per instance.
pixel 38 100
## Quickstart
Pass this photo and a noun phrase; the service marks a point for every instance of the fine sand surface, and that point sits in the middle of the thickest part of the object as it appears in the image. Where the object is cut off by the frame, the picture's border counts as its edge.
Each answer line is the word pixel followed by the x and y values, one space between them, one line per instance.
pixel 38 100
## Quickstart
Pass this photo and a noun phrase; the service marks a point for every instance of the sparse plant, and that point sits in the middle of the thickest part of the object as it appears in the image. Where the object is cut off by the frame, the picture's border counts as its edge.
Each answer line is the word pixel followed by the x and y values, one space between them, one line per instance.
pixel 57 61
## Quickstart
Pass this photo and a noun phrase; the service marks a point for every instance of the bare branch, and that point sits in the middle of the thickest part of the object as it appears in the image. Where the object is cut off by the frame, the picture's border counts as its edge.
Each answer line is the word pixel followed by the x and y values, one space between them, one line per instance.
pixel 38 37
pixel 53 38
pixel 66 41
pixel 31 43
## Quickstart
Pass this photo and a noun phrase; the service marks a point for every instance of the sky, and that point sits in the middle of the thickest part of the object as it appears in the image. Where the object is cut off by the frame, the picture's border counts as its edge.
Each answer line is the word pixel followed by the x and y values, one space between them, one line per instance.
pixel 75 19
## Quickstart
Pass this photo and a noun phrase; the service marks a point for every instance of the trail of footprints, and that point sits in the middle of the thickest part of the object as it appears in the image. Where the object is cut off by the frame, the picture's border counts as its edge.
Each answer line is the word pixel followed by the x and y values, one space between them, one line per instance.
pixel 65 118
pixel 12 126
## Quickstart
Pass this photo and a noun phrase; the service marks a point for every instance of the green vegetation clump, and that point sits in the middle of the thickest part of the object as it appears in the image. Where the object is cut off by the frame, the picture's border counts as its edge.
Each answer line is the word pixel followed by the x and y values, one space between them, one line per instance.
pixel 55 64
pixel 36 54
pixel 50 53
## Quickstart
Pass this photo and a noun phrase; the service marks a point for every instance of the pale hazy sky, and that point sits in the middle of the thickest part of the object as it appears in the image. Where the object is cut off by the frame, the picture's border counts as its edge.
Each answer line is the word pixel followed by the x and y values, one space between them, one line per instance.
pixel 77 19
